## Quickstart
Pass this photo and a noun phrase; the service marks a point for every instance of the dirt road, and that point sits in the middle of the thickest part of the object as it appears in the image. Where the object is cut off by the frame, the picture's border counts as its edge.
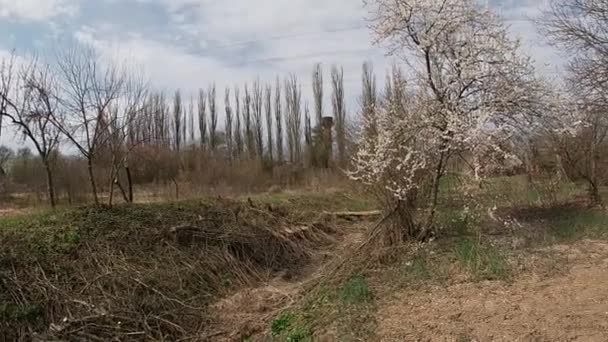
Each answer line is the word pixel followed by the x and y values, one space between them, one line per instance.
pixel 565 307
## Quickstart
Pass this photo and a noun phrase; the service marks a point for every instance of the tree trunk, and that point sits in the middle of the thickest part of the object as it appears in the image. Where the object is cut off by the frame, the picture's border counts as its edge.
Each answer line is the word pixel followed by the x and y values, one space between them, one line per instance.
pixel 176 188
pixel 594 193
pixel 92 180
pixel 112 181
pixel 49 183
pixel 434 198
pixel 129 183
pixel 121 188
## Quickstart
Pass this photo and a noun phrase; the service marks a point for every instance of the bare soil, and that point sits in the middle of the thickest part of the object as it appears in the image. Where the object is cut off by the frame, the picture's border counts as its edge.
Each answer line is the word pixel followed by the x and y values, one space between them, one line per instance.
pixel 250 311
pixel 570 306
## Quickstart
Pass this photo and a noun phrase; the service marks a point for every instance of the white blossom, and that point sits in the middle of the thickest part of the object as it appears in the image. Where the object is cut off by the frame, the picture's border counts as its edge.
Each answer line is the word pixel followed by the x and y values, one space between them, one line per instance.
pixel 471 90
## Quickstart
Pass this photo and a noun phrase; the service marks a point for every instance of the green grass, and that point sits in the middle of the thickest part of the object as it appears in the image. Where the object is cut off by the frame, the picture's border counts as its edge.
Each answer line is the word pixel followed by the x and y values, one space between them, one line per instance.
pixel 355 290
pixel 299 334
pixel 588 223
pixel 517 191
pixel 288 328
pixel 484 262
pixel 347 308
pixel 282 323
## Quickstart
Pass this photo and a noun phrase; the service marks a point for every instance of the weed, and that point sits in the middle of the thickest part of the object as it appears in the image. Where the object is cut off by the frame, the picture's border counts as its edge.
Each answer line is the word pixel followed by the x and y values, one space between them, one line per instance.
pixel 299 334
pixel 482 261
pixel 355 290
pixel 282 323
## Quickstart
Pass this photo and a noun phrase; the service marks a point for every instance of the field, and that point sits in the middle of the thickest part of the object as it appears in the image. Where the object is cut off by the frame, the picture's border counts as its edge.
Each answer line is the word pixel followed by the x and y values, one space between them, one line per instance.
pixel 303 266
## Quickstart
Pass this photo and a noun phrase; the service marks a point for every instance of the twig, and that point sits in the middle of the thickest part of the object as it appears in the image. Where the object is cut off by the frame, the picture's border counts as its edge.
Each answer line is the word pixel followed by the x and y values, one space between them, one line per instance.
pixel 165 296
pixel 93 281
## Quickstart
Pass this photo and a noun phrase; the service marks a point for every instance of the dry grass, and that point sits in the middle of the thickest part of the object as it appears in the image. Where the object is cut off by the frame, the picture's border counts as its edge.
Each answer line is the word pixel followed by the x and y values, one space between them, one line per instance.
pixel 143 272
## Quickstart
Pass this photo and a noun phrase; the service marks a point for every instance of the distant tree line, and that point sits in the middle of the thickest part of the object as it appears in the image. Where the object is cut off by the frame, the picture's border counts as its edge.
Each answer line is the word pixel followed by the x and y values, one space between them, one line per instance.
pixel 124 132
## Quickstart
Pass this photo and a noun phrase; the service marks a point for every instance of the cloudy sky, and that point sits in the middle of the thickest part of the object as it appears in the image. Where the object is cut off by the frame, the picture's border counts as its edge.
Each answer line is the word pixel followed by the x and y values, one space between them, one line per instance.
pixel 189 44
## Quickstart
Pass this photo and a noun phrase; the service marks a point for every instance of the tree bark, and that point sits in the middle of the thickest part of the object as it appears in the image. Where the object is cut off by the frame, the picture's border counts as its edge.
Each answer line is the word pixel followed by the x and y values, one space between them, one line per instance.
pixel 435 197
pixel 112 180
pixel 129 183
pixel 92 180
pixel 121 188
pixel 49 183
pixel 594 190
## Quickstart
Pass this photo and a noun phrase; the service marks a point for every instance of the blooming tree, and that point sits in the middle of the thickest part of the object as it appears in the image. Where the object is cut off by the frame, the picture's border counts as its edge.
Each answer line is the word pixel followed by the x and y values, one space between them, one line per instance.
pixel 470 86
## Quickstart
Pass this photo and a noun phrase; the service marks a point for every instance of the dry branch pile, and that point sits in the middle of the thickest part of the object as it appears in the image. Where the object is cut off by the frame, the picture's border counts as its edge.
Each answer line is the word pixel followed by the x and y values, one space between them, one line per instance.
pixel 141 272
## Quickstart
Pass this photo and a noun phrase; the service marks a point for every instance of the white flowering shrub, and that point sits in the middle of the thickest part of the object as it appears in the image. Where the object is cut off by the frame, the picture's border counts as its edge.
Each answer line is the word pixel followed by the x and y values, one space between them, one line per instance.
pixel 470 86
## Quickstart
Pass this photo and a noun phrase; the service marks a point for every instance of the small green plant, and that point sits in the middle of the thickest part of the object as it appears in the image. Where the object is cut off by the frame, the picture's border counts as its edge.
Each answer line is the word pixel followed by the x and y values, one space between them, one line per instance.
pixel 355 290
pixel 285 326
pixel 282 323
pixel 299 334
pixel 482 261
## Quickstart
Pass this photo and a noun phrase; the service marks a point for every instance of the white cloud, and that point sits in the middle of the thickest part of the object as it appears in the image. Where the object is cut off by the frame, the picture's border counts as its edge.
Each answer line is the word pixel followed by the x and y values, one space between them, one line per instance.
pixel 37 10
pixel 232 42
pixel 171 67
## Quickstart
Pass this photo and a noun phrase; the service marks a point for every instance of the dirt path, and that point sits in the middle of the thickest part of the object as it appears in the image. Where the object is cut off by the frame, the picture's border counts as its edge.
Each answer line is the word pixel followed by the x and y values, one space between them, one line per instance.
pixel 569 307
pixel 249 311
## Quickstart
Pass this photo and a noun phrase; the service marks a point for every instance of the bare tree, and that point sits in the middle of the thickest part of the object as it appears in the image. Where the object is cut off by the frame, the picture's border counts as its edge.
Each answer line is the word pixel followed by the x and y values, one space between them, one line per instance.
pixel 228 128
pixel 88 92
pixel 278 116
pixel 268 106
pixel 308 134
pixel 202 118
pixel 178 108
pixel 317 90
pixel 238 134
pixel 339 109
pixel 213 139
pixel 124 115
pixel 184 125
pixel 580 26
pixel 369 100
pixel 159 130
pixel 29 100
pixel 258 100
pixel 191 115
pixel 577 132
pixel 247 120
pixel 293 97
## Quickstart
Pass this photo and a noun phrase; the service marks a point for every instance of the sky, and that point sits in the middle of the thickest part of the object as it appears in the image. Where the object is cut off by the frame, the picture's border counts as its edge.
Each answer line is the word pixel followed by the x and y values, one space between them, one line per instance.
pixel 190 44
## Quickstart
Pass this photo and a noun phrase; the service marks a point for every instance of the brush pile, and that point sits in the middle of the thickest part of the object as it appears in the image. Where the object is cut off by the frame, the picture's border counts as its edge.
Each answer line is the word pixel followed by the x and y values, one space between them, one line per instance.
pixel 145 272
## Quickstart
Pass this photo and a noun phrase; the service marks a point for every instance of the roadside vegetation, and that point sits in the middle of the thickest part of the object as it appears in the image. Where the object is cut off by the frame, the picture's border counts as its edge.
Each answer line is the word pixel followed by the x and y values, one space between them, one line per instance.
pixel 255 218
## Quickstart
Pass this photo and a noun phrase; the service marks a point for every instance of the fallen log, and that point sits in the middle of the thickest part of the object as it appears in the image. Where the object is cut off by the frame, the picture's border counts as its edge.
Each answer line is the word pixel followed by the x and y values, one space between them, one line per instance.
pixel 355 214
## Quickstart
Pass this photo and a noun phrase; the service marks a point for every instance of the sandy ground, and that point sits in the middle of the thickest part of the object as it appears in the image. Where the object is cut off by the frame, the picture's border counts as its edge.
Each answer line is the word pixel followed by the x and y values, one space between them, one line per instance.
pixel 569 307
